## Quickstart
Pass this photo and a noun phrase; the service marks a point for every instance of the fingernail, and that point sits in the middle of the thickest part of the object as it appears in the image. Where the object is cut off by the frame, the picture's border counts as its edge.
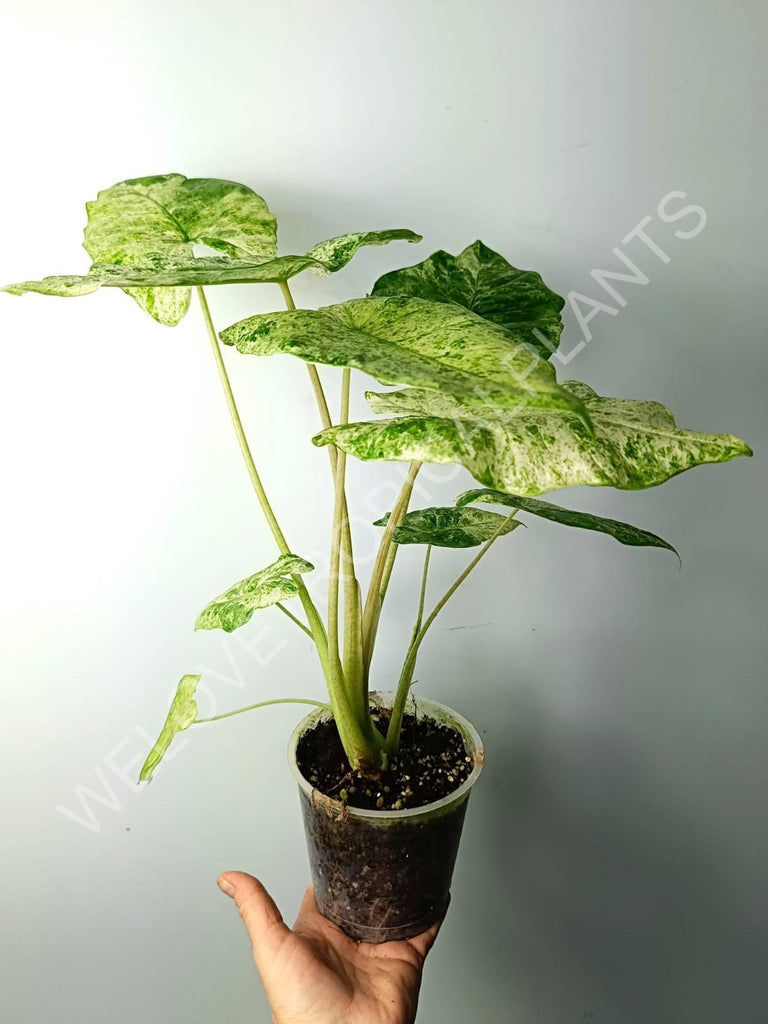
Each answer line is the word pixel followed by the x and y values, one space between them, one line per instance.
pixel 226 886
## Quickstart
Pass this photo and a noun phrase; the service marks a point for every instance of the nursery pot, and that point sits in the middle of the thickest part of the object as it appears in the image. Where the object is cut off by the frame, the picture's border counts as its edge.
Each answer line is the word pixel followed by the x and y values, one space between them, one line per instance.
pixel 384 875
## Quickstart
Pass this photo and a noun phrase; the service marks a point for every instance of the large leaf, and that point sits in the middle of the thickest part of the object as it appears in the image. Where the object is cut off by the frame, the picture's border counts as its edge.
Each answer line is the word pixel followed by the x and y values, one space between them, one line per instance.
pixel 449 527
pixel 165 214
pixel 483 281
pixel 634 445
pixel 624 533
pixel 155 222
pixel 324 258
pixel 235 606
pixel 411 341
pixel 181 714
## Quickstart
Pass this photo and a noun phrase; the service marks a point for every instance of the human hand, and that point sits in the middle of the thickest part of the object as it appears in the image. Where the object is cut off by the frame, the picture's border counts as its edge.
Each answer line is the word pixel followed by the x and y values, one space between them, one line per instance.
pixel 315 974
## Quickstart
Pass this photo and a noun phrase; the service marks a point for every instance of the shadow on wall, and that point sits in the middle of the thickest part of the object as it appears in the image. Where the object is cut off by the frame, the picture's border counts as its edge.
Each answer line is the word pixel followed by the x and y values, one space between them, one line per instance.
pixel 602 901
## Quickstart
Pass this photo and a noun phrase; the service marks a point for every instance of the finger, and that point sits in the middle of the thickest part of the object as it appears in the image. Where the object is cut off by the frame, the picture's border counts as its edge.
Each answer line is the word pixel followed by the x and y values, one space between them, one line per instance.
pixel 308 915
pixel 262 919
pixel 424 942
pixel 310 921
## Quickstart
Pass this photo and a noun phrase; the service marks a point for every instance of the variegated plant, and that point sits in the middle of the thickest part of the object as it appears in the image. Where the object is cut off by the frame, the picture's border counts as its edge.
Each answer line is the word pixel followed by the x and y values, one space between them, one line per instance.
pixel 471 338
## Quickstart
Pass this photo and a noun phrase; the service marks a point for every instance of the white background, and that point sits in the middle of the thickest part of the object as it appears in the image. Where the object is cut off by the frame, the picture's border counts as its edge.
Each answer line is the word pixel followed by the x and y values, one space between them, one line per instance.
pixel 613 868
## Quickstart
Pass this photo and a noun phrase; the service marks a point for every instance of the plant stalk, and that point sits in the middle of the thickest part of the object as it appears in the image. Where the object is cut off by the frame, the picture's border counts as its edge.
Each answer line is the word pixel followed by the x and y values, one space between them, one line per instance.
pixel 382 571
pixel 352 656
pixel 253 473
pixel 260 704
pixel 313 616
pixel 325 419
pixel 364 745
pixel 293 618
pixel 406 675
pixel 338 515
pixel 362 748
pixel 314 376
pixel 422 592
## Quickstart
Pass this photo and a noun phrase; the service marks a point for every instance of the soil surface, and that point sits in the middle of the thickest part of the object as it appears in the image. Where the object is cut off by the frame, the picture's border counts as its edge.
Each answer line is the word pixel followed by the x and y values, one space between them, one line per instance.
pixel 432 762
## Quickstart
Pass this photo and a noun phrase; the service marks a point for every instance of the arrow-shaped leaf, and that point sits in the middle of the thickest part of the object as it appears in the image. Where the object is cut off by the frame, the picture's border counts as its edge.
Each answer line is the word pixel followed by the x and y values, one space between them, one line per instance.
pixel 449 527
pixel 328 257
pixel 141 235
pixel 155 222
pixel 235 606
pixel 635 444
pixel 181 714
pixel 624 533
pixel 209 270
pixel 483 281
pixel 412 341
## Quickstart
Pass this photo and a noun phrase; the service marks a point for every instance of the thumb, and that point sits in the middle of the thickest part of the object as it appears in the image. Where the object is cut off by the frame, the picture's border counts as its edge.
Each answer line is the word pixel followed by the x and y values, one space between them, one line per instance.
pixel 262 919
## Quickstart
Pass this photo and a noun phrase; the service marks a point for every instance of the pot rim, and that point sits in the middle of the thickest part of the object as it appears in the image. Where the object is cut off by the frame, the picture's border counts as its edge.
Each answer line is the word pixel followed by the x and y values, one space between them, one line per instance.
pixel 474 747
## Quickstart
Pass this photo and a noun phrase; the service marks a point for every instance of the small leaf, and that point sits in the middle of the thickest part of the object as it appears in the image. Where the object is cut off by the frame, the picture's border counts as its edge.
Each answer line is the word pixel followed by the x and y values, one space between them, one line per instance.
pixel 235 606
pixel 634 444
pixel 336 253
pixel 624 533
pixel 449 527
pixel 62 286
pixel 182 713
pixel 399 340
pixel 483 281
pixel 175 277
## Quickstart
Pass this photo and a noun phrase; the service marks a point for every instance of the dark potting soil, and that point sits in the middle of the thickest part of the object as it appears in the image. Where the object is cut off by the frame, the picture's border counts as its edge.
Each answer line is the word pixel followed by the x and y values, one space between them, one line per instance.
pixel 432 762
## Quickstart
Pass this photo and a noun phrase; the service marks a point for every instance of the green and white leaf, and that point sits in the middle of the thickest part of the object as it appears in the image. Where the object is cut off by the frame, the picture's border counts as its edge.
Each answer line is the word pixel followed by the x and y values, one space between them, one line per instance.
pixel 624 533
pixel 328 257
pixel 160 272
pixel 483 281
pixel 400 340
pixel 156 221
pixel 235 606
pixel 69 285
pixel 449 527
pixel 168 213
pixel 181 714
pixel 635 444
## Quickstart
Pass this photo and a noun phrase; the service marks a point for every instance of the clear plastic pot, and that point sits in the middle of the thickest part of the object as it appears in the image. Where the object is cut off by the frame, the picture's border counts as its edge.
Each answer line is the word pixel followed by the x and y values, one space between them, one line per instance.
pixel 384 875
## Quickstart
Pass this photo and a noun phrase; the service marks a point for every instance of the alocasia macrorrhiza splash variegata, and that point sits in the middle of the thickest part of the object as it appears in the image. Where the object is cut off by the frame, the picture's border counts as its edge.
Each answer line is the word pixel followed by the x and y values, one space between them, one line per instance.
pixel 466 341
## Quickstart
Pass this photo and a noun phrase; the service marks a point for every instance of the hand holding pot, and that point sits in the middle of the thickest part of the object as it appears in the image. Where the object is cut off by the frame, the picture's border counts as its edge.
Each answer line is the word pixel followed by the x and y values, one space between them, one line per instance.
pixel 315 973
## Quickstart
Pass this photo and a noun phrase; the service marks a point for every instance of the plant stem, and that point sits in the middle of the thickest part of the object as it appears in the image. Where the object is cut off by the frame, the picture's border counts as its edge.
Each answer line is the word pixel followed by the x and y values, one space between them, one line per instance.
pixel 353 612
pixel 362 742
pixel 287 294
pixel 351 586
pixel 313 616
pixel 325 419
pixel 422 593
pixel 261 704
pixel 322 406
pixel 314 376
pixel 382 570
pixel 293 618
pixel 253 473
pixel 338 515
pixel 404 685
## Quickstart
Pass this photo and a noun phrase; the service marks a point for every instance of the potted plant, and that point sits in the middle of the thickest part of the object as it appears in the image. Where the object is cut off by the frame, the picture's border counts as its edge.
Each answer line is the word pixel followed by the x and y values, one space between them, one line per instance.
pixel 384 779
